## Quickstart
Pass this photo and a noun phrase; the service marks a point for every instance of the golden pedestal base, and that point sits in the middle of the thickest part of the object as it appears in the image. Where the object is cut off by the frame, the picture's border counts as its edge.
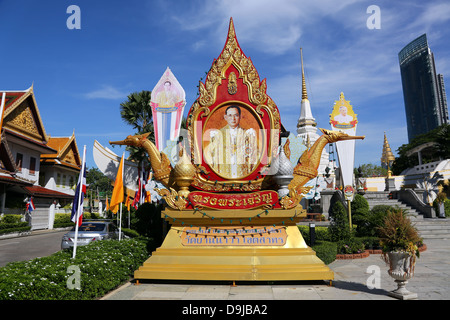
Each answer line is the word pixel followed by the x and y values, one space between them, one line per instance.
pixel 293 260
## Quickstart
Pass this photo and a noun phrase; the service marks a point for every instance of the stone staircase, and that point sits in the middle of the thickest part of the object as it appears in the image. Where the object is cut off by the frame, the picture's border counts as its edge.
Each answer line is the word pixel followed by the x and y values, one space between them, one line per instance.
pixel 429 228
pixel 433 228
pixel 382 198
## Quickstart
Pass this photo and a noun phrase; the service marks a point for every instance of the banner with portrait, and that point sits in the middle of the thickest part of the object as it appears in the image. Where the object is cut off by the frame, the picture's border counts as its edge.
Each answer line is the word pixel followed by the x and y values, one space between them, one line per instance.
pixel 344 119
pixel 167 102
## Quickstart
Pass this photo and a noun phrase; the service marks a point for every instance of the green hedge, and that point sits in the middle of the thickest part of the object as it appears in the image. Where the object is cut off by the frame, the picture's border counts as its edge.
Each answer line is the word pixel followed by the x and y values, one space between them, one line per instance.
pixel 322 233
pixel 11 218
pixel 14 227
pixel 104 265
pixel 12 223
pixel 325 251
pixel 324 248
pixel 62 220
pixel 351 245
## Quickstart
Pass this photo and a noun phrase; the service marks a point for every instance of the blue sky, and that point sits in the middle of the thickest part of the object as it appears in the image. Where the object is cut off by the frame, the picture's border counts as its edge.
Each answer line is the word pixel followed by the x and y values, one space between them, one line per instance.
pixel 81 76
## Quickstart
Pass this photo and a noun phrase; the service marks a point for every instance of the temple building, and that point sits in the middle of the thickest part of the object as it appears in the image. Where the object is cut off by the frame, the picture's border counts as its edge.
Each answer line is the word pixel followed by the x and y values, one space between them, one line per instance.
pixel 59 170
pixel 23 142
pixel 307 126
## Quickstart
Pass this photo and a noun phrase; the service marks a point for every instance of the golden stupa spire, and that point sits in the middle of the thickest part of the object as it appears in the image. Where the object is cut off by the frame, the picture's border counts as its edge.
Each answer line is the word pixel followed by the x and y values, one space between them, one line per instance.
pixel 387 157
pixel 304 93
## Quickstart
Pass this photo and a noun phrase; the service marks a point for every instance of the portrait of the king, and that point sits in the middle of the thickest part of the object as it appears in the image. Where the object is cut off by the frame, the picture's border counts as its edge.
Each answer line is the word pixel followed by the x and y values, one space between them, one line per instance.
pixel 232 149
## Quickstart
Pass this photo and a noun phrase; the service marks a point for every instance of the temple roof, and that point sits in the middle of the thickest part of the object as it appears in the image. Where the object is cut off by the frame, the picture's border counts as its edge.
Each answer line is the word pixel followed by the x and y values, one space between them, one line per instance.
pixel 21 116
pixel 67 153
pixel 38 191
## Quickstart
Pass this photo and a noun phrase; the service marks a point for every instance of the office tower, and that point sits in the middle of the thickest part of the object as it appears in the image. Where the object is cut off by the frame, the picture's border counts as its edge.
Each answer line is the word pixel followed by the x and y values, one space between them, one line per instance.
pixel 423 89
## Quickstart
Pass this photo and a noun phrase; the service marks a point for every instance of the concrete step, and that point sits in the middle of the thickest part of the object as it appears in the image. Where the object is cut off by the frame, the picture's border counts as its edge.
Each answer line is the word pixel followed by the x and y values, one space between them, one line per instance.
pixel 434 228
pixel 394 203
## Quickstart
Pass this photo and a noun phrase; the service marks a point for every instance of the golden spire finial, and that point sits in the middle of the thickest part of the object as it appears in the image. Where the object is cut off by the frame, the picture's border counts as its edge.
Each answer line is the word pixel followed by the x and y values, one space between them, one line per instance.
pixel 387 156
pixel 231 31
pixel 304 93
pixel 387 152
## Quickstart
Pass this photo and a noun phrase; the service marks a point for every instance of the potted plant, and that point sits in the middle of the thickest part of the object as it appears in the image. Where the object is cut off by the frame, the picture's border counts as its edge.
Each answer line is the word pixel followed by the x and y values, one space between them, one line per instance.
pixel 400 242
pixel 440 199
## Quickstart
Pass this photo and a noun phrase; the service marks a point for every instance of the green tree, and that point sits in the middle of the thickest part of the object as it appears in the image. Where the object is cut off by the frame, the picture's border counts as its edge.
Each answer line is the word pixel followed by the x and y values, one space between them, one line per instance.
pixel 442 138
pixel 370 170
pixel 137 112
pixel 440 135
pixel 98 181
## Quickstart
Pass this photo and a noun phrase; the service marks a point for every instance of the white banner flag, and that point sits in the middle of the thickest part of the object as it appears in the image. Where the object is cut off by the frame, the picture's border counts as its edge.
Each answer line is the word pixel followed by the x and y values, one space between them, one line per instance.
pixel 342 118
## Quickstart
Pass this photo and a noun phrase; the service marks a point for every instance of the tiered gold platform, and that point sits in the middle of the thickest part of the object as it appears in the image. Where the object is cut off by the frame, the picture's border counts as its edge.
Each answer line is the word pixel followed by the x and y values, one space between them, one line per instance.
pixel 293 260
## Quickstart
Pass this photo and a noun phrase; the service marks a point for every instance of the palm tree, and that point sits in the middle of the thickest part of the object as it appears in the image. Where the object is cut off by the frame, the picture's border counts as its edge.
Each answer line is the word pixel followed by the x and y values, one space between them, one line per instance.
pixel 137 112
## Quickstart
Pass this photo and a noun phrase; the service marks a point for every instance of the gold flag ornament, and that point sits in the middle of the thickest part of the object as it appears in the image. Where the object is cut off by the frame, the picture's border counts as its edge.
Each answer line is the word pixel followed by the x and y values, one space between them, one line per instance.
pixel 118 192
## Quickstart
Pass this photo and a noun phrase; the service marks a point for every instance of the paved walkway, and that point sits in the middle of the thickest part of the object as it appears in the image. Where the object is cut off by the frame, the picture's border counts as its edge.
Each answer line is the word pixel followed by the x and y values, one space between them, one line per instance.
pixel 353 281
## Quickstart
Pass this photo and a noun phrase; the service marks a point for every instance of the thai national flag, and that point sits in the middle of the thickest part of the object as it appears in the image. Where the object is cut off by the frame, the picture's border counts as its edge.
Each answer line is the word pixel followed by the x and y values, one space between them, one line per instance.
pixel 30 205
pixel 81 186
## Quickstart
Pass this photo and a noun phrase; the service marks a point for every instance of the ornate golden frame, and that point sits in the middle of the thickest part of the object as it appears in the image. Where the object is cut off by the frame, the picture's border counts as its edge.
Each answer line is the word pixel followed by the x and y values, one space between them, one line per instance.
pixel 262 104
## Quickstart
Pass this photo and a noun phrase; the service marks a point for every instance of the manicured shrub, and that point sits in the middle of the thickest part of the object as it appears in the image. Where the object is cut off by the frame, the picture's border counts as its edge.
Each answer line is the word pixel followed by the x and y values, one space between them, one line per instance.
pixel 447 207
pixel 359 205
pixel 103 265
pixel 62 220
pixel 14 227
pixel 339 225
pixel 360 214
pixel 350 245
pixel 11 218
pixel 322 233
pixel 147 221
pixel 13 223
pixel 372 243
pixel 325 251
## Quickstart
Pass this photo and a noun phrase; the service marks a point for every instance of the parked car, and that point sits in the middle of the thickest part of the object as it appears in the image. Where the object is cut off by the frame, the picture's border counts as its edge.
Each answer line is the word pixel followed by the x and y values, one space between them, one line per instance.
pixel 90 231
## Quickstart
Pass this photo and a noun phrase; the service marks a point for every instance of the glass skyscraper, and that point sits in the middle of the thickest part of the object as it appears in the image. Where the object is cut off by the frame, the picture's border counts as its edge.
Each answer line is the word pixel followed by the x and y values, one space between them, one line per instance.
pixel 423 89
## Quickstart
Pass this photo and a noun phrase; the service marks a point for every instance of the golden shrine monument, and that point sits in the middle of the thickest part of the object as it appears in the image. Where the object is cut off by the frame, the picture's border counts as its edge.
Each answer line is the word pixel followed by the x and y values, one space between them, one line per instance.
pixel 233 198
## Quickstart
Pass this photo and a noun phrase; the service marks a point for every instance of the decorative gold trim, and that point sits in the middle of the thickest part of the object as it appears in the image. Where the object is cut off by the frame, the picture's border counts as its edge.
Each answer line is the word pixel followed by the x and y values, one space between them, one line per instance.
pixel 172 198
pixel 37 120
pixel 232 54
pixel 232 83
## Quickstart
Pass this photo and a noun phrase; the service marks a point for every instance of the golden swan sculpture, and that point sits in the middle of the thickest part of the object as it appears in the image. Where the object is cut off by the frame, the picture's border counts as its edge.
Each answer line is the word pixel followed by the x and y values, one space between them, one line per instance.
pixel 305 170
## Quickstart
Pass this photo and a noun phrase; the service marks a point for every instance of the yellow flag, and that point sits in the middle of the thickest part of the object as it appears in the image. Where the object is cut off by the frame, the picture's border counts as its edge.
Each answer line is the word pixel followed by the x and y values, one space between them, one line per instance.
pixel 117 195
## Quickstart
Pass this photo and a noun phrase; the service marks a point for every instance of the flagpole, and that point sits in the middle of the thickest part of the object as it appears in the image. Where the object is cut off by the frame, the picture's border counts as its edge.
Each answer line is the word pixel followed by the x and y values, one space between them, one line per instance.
pixel 128 208
pixel 2 109
pixel 79 203
pixel 123 178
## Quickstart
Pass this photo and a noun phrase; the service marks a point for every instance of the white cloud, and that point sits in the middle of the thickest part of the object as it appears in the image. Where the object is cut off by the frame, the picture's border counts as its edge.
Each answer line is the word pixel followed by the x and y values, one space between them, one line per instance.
pixel 106 92
pixel 433 14
pixel 270 26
